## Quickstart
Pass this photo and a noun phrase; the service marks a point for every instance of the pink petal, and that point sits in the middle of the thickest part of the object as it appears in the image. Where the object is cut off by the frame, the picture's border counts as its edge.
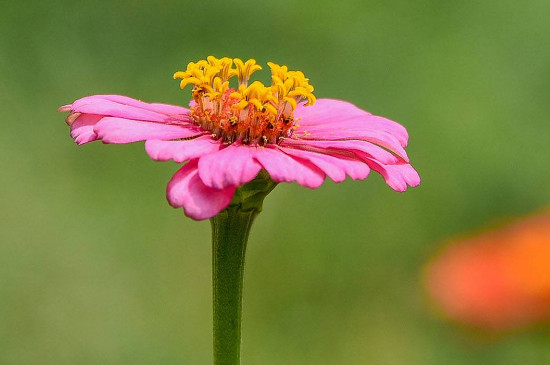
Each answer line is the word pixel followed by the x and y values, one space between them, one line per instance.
pixel 284 168
pixel 121 130
pixel 325 110
pixel 181 151
pixel 379 138
pixel 124 107
pixel 335 166
pixel 156 107
pixel 376 152
pixel 199 201
pixel 338 120
pixel 398 177
pixel 233 165
pixel 82 128
pixel 335 119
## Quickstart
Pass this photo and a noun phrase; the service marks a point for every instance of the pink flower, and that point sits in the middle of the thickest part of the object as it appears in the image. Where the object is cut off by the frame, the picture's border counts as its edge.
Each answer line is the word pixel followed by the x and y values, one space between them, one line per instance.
pixel 229 135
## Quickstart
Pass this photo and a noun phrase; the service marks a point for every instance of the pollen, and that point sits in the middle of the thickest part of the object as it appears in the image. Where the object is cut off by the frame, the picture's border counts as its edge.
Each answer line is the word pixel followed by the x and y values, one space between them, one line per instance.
pixel 247 112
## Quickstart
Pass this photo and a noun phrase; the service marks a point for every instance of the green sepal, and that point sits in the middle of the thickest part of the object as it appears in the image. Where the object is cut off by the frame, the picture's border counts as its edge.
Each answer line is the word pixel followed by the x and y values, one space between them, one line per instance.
pixel 250 196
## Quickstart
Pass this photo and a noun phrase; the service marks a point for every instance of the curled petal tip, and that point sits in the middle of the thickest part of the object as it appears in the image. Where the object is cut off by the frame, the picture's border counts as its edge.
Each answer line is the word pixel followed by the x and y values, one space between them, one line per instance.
pixel 71 118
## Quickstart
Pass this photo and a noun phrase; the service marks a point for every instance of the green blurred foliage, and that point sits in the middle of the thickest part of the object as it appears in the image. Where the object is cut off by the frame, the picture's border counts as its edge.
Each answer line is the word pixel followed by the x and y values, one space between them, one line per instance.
pixel 96 268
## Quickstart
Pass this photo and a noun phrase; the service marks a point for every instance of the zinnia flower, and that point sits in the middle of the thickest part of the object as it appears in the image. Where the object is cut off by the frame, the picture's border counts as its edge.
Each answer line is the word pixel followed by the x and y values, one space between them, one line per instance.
pixel 496 281
pixel 231 134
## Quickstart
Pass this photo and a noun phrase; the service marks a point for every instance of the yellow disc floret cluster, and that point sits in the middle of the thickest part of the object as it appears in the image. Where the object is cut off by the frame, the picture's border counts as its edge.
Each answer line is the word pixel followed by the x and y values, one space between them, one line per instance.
pixel 249 113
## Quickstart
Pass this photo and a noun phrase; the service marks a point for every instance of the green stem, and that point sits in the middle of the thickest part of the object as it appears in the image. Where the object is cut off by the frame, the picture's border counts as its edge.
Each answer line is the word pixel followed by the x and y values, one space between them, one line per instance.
pixel 230 230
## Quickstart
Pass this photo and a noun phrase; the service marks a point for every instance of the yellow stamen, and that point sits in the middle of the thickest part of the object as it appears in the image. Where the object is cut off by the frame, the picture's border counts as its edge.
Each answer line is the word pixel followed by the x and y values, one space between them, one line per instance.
pixel 245 69
pixel 253 113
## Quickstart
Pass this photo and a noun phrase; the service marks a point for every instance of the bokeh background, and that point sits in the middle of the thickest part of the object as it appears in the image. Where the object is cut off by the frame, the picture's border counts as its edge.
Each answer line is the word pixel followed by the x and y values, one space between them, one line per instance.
pixel 97 268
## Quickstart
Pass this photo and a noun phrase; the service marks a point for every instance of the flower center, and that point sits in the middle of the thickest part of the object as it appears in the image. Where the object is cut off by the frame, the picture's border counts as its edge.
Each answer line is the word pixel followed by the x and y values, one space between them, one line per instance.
pixel 251 114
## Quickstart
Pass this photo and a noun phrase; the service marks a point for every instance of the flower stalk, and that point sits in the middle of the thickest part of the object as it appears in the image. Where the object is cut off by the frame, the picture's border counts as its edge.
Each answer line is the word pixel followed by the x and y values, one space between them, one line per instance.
pixel 230 231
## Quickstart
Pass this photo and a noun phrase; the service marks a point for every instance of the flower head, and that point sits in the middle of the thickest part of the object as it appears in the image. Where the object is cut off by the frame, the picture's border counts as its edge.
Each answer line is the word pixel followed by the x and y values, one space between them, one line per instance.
pixel 232 132
pixel 496 281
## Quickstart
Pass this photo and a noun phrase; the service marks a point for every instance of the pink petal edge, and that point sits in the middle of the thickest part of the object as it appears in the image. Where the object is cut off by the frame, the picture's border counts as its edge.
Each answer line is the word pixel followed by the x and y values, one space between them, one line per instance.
pixel 122 130
pixel 284 168
pixel 125 107
pixel 199 201
pixel 341 119
pixel 233 165
pixel 337 167
pixel 398 177
pixel 82 128
pixel 181 151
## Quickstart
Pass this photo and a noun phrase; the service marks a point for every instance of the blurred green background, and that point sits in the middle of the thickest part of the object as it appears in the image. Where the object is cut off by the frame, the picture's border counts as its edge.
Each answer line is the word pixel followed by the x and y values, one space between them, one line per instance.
pixel 96 268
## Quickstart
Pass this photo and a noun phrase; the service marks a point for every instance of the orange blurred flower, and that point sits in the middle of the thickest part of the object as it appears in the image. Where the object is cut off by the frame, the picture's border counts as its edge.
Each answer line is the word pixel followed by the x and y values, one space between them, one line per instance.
pixel 499 280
